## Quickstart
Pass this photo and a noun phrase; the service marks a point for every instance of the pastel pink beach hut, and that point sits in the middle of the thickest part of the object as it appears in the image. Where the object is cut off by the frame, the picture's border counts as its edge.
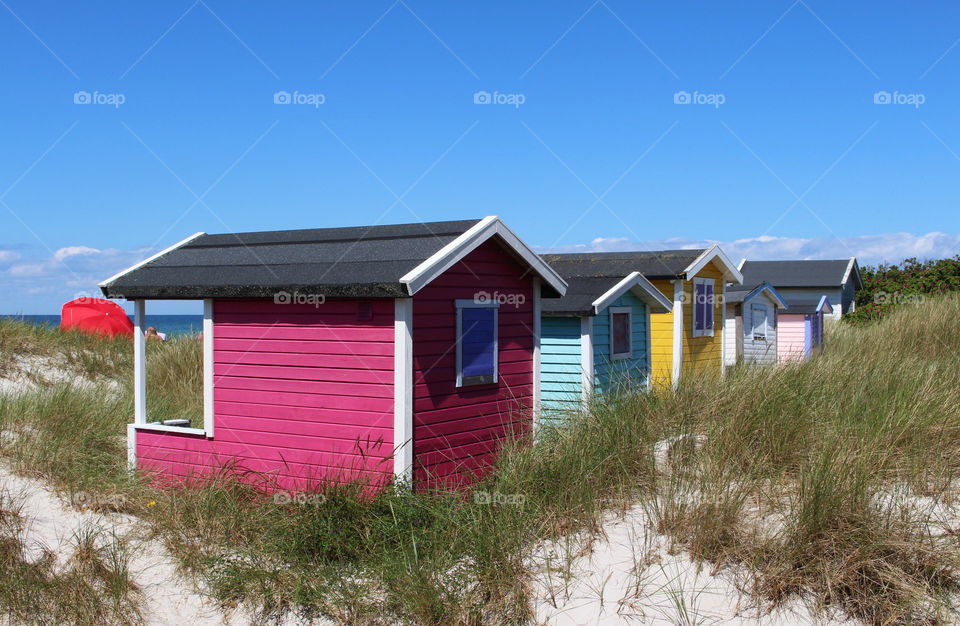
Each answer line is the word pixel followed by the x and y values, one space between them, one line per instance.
pixel 404 352
pixel 800 332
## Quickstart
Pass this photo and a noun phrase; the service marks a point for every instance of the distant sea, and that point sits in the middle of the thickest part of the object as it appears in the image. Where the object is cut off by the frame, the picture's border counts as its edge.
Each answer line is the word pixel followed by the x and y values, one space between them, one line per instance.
pixel 172 325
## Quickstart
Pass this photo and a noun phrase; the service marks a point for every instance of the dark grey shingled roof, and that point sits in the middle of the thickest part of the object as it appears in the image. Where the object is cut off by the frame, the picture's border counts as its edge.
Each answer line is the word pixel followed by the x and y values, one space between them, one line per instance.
pixel 797 273
pixel 804 305
pixel 365 261
pixel 653 265
pixel 581 292
pixel 590 275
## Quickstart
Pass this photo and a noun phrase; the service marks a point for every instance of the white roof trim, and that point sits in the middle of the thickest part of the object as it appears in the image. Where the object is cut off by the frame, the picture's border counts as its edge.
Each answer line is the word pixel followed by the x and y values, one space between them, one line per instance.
pixel 714 252
pixel 772 292
pixel 444 258
pixel 643 288
pixel 846 275
pixel 150 259
pixel 824 305
pixel 740 264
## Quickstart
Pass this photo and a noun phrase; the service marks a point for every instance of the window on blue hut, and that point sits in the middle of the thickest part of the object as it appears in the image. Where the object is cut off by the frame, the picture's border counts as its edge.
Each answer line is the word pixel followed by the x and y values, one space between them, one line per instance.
pixel 621 345
pixel 758 315
pixel 477 326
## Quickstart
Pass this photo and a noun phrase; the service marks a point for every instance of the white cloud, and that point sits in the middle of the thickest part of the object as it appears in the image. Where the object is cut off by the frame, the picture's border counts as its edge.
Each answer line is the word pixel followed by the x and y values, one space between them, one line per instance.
pixel 69 251
pixel 8 257
pixel 42 284
pixel 28 269
pixel 869 249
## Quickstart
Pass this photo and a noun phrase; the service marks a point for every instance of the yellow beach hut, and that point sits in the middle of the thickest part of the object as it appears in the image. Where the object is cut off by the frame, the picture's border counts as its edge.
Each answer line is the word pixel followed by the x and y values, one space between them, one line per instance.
pixel 688 339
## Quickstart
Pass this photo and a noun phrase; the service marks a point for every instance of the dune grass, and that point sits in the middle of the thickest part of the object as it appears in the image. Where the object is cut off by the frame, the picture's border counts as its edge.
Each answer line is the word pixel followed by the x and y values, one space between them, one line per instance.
pixel 80 353
pixel 88 582
pixel 816 480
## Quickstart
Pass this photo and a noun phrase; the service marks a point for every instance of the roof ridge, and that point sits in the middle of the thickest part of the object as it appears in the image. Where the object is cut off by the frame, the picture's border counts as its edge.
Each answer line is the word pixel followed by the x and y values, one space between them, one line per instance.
pixel 298 242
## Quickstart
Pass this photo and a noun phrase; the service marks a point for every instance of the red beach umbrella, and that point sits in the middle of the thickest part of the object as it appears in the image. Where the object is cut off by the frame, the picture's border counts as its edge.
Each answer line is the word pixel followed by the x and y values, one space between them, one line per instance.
pixel 96 316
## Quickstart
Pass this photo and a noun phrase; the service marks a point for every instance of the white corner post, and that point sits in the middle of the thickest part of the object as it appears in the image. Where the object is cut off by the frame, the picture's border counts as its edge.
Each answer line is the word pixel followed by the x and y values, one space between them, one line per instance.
pixel 403 390
pixel 723 327
pixel 536 352
pixel 139 363
pixel 649 333
pixel 139 381
pixel 208 367
pixel 677 365
pixel 586 361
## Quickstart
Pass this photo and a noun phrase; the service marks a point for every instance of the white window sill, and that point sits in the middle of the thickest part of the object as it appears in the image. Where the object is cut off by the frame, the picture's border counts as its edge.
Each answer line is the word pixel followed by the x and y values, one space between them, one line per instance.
pixel 163 428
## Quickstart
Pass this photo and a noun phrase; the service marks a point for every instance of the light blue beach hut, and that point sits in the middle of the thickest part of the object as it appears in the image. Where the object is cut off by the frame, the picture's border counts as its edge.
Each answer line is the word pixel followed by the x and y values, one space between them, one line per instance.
pixel 596 338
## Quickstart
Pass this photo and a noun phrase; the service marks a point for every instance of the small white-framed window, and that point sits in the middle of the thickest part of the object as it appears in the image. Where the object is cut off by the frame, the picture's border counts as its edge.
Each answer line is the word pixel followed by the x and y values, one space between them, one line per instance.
pixel 703 303
pixel 621 332
pixel 759 321
pixel 477 342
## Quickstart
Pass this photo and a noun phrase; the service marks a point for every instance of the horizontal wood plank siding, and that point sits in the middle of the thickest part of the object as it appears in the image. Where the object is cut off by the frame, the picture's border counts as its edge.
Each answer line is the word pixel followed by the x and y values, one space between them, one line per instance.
pixel 301 393
pixel 628 374
pixel 732 337
pixel 791 338
pixel 561 371
pixel 457 431
pixel 754 350
pixel 661 339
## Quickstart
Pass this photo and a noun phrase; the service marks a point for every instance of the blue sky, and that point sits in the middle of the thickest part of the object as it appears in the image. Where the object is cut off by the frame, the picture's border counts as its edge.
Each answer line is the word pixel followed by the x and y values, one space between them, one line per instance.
pixel 129 126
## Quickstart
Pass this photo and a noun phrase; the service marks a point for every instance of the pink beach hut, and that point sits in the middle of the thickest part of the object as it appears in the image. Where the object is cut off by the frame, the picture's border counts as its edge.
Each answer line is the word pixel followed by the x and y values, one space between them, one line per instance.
pixel 800 332
pixel 375 353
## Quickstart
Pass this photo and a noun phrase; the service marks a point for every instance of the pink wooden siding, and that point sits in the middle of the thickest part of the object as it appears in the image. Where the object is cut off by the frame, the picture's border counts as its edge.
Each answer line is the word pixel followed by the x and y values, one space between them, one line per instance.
pixel 301 393
pixel 458 431
pixel 791 338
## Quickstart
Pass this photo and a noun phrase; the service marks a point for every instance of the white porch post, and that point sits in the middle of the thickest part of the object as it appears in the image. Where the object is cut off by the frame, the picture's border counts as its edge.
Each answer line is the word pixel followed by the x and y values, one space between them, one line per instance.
pixel 586 361
pixel 536 353
pixel 139 363
pixel 723 327
pixel 678 297
pixel 403 390
pixel 139 382
pixel 208 367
